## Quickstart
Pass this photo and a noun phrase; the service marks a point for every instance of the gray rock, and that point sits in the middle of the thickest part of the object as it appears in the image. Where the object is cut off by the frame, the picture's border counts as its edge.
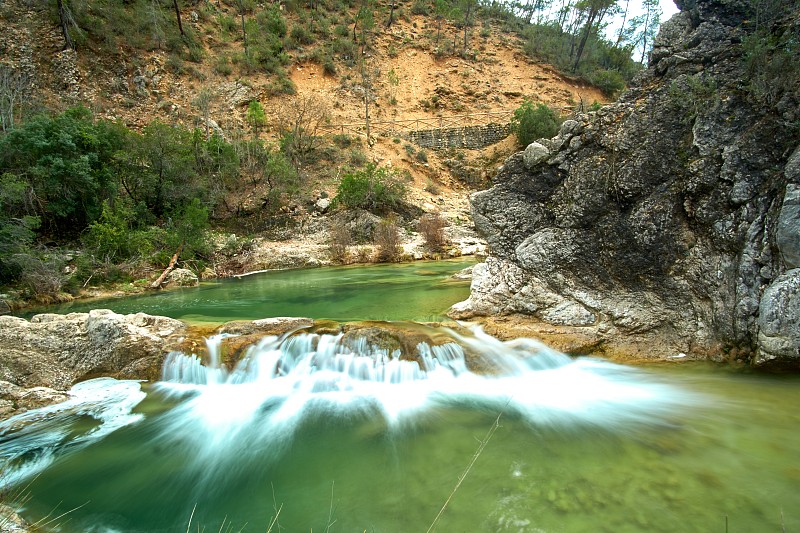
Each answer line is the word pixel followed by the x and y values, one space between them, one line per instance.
pixel 57 351
pixel 322 204
pixel 534 154
pixel 5 309
pixel 656 219
pixel 788 235
pixel 181 277
pixel 792 169
pixel 779 316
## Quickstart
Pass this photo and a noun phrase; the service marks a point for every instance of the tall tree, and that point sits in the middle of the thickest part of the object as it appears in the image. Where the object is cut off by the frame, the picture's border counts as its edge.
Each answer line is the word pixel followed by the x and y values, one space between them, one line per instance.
pixel 596 10
pixel 65 17
pixel 652 19
pixel 178 15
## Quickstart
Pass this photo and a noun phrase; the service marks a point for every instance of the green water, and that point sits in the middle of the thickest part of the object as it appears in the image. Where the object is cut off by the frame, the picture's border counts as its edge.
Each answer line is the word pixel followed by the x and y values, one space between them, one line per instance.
pixel 731 455
pixel 736 457
pixel 408 291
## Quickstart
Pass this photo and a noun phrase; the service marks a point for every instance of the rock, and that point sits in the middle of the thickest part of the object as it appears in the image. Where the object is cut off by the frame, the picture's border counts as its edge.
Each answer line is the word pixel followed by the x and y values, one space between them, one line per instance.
pixel 181 277
pixel 57 351
pixel 5 309
pixel 10 521
pixel 463 275
pixel 265 326
pixel 322 204
pixel 656 219
pixel 360 223
pixel 788 235
pixel 15 399
pixel 235 93
pixel 212 125
pixel 779 316
pixel 208 273
pixel 534 154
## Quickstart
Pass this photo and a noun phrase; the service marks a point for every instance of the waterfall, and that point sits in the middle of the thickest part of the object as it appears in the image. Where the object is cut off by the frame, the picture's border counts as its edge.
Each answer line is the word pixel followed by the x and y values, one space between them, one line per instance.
pixel 280 382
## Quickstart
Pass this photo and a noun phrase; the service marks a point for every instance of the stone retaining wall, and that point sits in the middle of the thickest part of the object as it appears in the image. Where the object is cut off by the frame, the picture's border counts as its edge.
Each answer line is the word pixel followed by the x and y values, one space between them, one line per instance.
pixel 470 137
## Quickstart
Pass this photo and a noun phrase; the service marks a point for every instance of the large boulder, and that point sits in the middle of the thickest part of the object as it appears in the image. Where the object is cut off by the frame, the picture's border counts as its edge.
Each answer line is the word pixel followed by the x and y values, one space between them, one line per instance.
pixel 779 320
pixel 656 218
pixel 57 351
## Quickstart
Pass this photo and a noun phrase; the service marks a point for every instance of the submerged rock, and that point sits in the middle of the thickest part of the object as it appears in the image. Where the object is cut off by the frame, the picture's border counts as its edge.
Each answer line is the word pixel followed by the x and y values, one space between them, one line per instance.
pixel 655 220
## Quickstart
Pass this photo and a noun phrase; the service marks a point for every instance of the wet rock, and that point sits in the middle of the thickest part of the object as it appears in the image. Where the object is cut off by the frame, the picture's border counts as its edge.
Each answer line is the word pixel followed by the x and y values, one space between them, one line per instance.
pixel 11 522
pixel 57 351
pixel 15 399
pixel 265 326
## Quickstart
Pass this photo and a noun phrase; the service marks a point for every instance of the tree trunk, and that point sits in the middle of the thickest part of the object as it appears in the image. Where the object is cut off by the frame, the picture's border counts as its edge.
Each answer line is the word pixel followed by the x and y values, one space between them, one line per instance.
pixel 587 30
pixel 157 283
pixel 63 16
pixel 244 34
pixel 178 15
pixel 391 15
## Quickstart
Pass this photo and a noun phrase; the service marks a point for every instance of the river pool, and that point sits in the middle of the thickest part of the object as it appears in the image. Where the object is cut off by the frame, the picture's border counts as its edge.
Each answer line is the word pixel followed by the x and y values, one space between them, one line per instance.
pixel 313 435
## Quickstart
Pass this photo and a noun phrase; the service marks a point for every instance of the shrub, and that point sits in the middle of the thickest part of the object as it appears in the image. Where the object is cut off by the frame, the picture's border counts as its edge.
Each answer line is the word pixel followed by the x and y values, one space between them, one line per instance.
pixel 329 66
pixel 431 226
pixel 371 188
pixel 223 66
pixel 422 156
pixel 609 81
pixel 534 121
pixel 300 36
pixel 339 239
pixel 387 240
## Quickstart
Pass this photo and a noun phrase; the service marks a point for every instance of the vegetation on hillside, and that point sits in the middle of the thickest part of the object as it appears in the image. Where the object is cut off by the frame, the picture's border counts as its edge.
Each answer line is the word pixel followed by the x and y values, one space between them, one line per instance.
pixel 248 37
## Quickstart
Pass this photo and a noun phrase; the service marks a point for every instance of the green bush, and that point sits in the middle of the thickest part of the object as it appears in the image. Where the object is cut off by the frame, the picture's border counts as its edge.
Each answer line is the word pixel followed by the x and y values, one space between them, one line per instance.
pixel 300 36
pixel 610 82
pixel 372 188
pixel 534 121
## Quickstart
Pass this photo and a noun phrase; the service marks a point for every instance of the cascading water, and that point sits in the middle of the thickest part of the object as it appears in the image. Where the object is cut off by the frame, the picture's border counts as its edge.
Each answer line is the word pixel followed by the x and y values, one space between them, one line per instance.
pixel 292 405
pixel 281 381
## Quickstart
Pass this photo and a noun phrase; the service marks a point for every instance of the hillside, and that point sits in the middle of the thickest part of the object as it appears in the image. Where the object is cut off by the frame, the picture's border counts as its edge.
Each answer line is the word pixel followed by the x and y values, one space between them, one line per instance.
pixel 131 67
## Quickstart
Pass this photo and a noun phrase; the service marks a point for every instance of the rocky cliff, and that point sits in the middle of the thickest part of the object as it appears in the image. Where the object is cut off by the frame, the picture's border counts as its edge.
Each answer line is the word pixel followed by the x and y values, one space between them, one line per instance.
pixel 669 221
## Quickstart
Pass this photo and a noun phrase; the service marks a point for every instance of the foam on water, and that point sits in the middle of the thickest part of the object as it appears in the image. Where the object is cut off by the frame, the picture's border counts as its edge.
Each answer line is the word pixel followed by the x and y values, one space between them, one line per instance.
pixel 282 382
pixel 31 441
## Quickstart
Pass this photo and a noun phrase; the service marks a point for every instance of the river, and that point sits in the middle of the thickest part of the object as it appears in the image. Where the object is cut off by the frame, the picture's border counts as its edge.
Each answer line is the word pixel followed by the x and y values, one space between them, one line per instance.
pixel 313 434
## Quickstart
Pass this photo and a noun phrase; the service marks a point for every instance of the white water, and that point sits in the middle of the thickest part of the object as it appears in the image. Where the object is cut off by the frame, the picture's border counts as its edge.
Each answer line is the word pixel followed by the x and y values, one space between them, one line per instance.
pixel 282 383
pixel 31 441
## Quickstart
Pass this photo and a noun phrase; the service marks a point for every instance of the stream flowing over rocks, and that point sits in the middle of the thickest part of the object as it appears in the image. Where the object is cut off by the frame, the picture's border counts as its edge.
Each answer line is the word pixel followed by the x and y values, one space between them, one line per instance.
pixel 665 224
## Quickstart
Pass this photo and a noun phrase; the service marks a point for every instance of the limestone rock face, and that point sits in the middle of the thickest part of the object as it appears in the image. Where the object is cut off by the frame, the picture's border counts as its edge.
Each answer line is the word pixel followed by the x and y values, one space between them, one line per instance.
pixel 660 218
pixel 779 320
pixel 788 236
pixel 57 351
